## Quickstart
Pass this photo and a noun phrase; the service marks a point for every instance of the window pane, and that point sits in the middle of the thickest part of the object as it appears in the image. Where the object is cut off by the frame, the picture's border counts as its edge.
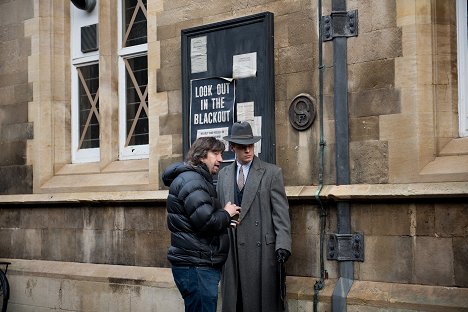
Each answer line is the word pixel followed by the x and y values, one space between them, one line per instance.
pixel 88 120
pixel 135 27
pixel 137 101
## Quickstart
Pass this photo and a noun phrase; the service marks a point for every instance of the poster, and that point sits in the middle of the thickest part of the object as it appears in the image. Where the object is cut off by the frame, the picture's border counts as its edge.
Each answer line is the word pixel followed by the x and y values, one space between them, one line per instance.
pixel 212 109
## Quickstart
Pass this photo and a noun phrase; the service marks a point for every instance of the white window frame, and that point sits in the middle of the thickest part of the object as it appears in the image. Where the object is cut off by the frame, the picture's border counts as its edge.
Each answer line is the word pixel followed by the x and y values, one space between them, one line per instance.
pixel 462 54
pixel 80 18
pixel 131 151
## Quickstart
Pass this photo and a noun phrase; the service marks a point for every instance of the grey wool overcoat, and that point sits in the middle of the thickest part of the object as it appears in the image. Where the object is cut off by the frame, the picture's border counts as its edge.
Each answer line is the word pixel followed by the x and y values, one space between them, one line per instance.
pixel 264 227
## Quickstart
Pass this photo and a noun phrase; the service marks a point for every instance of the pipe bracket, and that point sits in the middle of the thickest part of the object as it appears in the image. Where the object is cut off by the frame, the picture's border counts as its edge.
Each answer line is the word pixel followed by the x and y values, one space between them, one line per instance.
pixel 345 247
pixel 340 24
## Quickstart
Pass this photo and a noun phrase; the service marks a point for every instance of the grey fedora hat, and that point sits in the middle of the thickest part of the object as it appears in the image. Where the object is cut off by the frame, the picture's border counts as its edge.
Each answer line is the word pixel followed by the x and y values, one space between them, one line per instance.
pixel 241 133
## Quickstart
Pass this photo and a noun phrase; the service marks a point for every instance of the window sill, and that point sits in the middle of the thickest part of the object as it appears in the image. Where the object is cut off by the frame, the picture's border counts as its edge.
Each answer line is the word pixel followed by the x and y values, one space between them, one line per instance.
pixel 130 175
pixel 451 163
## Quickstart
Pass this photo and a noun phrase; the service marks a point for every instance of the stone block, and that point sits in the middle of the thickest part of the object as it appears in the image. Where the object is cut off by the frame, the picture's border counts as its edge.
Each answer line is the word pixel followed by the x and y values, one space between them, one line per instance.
pixel 434 255
pixel 5 242
pixel 304 260
pixel 295 59
pixel 25 10
pixel 369 162
pixel 364 128
pixel 174 101
pixel 381 219
pixel 168 57
pixel 123 247
pixel 17 132
pixel 375 15
pixel 425 220
pixel 59 244
pixel 35 291
pixel 451 220
pixel 23 92
pixel 298 22
pixel 387 259
pixel 151 246
pixel 169 79
pixel 34 218
pixel 297 83
pixel 13 153
pixel 294 174
pixel 30 246
pixel 141 218
pixel 304 219
pixel 65 217
pixel 280 87
pixel 98 218
pixel 16 180
pixel 91 246
pixel 446 13
pixel 7 93
pixel 165 32
pixel 9 32
pixel 371 75
pixel 9 218
pixel 375 45
pixel 376 102
pixel 151 300
pixel 95 296
pixel 170 124
pixel 460 256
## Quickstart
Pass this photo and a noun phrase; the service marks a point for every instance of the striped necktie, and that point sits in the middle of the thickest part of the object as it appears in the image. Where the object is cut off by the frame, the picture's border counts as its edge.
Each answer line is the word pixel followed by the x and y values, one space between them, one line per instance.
pixel 240 179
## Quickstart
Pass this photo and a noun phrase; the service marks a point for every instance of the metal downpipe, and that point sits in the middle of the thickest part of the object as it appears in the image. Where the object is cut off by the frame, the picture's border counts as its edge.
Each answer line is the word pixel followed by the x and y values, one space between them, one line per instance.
pixel 318 286
pixel 340 103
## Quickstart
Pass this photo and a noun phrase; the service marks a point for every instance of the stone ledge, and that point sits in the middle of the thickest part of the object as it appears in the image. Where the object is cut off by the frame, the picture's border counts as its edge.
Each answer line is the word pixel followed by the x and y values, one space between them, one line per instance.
pixel 116 274
pixel 362 294
pixel 328 192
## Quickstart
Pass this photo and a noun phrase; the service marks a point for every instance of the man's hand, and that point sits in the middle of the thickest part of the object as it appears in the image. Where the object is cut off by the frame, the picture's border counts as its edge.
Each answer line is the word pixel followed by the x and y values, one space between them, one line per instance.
pixel 282 255
pixel 232 209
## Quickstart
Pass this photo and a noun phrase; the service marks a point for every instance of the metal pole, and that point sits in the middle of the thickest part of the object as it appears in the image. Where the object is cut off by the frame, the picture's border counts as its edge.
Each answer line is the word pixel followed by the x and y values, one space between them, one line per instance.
pixel 340 101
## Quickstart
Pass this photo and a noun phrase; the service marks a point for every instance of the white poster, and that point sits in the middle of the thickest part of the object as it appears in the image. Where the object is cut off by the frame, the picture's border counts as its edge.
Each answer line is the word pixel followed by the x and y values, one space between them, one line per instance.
pixel 244 65
pixel 198 55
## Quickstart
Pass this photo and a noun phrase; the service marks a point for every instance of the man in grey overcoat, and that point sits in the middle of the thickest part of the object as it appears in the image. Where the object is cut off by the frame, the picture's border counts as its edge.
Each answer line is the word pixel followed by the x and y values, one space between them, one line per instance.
pixel 261 240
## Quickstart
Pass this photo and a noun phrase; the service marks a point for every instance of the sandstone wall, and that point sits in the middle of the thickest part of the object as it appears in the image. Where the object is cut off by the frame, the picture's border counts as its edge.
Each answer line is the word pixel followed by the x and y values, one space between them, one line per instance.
pixel 15 93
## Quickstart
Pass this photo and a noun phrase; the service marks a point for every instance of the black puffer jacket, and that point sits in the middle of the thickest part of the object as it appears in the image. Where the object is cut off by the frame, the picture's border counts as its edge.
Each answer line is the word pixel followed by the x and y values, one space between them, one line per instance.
pixel 197 222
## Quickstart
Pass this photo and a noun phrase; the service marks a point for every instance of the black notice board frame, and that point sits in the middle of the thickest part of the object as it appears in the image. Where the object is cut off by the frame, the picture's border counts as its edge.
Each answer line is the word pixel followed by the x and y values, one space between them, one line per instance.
pixel 254 33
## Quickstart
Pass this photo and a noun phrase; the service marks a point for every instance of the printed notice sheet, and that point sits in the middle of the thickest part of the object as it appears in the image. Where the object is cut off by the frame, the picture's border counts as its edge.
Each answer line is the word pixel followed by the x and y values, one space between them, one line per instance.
pixel 244 65
pixel 198 55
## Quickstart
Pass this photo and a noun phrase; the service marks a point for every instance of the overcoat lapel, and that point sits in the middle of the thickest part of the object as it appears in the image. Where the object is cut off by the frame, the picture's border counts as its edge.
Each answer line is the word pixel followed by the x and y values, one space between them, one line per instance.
pixel 251 186
pixel 229 189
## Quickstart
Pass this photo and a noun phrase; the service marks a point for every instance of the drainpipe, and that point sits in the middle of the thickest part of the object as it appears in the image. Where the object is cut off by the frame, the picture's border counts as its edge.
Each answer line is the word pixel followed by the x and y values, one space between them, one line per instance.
pixel 340 103
pixel 319 284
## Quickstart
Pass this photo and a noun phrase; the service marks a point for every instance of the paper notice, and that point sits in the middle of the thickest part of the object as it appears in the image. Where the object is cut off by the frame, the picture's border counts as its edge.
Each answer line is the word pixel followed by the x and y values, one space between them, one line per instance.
pixel 218 133
pixel 244 65
pixel 245 112
pixel 257 130
pixel 198 55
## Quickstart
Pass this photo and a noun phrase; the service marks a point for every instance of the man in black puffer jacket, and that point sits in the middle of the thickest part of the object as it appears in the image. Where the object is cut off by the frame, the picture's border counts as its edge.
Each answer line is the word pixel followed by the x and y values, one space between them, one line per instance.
pixel 198 225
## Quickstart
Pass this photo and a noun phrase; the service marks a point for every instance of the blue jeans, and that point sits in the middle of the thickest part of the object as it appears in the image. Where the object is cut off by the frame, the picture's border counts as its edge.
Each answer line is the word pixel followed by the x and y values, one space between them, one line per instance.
pixel 198 286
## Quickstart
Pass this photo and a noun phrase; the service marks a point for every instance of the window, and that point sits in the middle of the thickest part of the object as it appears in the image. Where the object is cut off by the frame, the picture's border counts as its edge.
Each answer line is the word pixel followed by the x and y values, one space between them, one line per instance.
pixel 462 52
pixel 133 73
pixel 85 86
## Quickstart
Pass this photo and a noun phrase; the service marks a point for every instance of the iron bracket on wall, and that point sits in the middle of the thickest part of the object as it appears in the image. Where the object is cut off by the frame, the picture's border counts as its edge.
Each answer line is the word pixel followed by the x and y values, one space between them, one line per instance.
pixel 340 24
pixel 345 247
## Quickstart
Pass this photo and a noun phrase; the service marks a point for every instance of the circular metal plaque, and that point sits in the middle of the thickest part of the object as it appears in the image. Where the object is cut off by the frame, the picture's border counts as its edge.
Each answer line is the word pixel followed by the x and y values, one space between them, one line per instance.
pixel 302 112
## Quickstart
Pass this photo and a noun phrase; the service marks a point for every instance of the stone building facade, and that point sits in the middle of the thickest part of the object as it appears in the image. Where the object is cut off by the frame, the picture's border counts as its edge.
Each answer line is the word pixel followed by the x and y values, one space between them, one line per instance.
pixel 91 236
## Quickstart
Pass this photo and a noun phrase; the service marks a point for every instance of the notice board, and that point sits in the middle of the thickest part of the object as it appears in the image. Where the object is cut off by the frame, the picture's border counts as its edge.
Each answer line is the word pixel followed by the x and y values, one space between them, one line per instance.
pixel 228 76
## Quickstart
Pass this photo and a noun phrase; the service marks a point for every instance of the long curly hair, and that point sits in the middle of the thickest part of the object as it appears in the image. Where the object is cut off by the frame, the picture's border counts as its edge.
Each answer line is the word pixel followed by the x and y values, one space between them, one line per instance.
pixel 200 148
